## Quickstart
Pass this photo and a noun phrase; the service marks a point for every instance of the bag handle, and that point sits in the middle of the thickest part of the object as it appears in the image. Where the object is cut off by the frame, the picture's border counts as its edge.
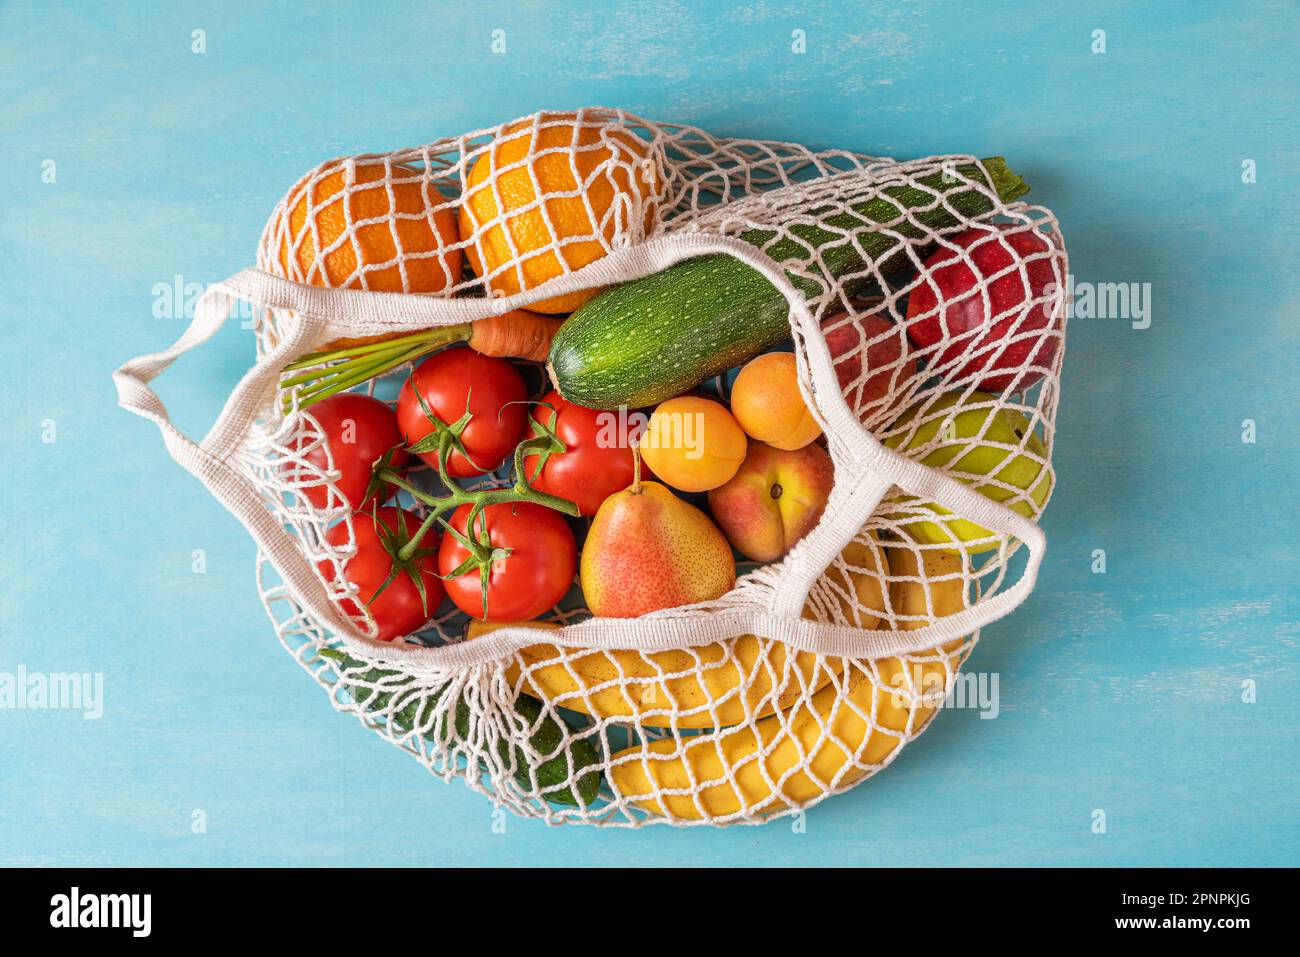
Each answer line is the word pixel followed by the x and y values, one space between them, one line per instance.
pixel 310 315
pixel 314 314
pixel 207 460
pixel 887 469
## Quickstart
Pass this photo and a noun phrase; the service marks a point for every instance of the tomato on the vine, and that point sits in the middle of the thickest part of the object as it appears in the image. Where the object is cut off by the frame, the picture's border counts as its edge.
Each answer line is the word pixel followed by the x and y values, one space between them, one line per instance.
pixel 520 556
pixel 358 433
pixel 470 404
pixel 400 593
pixel 596 462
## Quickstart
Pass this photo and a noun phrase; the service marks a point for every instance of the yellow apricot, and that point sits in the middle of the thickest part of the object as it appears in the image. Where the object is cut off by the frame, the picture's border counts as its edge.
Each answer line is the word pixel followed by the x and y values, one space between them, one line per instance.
pixel 766 402
pixel 693 444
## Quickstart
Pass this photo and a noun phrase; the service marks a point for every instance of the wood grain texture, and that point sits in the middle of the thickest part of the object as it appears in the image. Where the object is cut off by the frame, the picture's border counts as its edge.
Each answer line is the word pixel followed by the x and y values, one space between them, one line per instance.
pixel 1119 692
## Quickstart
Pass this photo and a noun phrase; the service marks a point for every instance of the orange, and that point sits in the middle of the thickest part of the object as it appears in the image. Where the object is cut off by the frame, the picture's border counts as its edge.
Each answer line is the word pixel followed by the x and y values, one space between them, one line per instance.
pixel 409 235
pixel 590 158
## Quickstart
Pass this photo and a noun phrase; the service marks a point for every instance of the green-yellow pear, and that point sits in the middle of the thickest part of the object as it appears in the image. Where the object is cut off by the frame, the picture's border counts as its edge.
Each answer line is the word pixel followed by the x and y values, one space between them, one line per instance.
pixel 971 439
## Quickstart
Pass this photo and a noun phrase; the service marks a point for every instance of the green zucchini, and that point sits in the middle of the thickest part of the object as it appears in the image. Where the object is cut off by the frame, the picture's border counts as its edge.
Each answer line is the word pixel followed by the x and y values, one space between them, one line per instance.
pixel 550 774
pixel 644 341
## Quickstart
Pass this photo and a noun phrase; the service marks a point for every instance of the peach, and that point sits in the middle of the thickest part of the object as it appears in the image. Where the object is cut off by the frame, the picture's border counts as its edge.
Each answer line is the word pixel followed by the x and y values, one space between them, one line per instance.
pixel 775 499
pixel 693 443
pixel 765 400
pixel 889 367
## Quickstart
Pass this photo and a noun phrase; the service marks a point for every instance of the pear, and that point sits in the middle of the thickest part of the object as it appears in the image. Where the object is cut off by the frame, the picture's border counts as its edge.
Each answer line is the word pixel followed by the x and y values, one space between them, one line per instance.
pixel 648 549
pixel 989 448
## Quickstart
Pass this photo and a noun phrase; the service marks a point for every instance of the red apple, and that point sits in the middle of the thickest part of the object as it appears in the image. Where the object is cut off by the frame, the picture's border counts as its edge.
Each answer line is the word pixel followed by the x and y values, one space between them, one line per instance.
pixel 1008 332
pixel 775 499
pixel 889 367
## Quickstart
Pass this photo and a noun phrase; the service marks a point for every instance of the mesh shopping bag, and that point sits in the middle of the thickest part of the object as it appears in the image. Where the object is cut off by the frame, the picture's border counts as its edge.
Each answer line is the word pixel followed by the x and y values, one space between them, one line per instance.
pixel 814 671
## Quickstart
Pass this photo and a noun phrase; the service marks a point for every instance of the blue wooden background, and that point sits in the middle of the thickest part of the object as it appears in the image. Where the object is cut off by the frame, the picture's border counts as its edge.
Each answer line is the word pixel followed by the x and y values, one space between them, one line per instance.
pixel 1120 692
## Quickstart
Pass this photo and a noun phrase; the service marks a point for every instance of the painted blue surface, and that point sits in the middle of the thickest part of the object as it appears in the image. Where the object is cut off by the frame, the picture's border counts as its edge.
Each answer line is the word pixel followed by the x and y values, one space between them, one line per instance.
pixel 1120 692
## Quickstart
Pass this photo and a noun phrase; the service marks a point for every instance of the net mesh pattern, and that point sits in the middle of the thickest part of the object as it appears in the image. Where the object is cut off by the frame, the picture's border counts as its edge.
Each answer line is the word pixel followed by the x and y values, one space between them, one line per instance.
pixel 727 731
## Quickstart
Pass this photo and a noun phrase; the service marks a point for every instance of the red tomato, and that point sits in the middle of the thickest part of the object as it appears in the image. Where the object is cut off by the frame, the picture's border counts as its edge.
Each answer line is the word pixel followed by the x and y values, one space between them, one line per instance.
pixel 1002 335
pixel 596 462
pixel 452 382
pixel 537 567
pixel 398 607
pixel 357 431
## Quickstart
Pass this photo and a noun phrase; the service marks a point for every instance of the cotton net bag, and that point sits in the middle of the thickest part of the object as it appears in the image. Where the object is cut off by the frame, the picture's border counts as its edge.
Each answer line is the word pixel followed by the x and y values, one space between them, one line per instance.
pixel 813 672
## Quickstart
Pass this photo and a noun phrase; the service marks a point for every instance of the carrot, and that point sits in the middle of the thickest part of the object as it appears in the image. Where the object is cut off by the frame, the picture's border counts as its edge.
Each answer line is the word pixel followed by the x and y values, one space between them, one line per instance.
pixel 517 334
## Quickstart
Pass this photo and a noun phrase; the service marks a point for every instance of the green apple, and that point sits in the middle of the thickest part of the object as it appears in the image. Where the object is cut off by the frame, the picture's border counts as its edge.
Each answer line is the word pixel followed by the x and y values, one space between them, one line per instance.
pixel 967 443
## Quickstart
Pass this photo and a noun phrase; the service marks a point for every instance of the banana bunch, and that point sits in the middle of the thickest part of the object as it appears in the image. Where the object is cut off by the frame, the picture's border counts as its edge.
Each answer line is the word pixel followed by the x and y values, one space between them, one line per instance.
pixel 829 739
pixel 784 729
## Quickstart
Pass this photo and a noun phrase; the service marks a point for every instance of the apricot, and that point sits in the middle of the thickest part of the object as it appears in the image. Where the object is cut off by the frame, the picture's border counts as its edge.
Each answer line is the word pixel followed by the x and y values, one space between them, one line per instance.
pixel 693 444
pixel 765 400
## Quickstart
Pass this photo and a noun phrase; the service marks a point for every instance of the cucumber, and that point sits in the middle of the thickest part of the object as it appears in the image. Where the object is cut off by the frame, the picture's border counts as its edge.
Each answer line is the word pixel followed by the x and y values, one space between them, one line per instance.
pixel 644 341
pixel 550 774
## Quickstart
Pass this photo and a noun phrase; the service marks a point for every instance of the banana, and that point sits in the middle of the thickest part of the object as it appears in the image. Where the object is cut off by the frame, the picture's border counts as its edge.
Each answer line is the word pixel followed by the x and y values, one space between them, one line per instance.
pixel 724 683
pixel 828 740
pixel 943 570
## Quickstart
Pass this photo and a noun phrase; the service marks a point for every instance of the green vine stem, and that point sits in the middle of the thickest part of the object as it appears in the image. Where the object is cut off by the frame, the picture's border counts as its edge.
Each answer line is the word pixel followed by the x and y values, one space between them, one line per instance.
pixel 520 491
pixel 404 547
pixel 483 555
